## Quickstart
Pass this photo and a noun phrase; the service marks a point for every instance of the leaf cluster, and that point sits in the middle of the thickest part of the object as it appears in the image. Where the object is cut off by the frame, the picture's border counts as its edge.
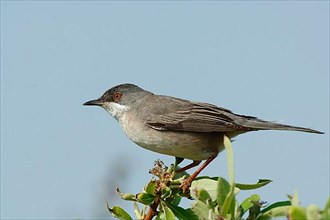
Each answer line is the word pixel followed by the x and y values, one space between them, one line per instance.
pixel 213 198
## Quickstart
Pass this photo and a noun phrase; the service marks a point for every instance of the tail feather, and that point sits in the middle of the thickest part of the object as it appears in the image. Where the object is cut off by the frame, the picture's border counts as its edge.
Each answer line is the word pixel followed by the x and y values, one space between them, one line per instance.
pixel 258 124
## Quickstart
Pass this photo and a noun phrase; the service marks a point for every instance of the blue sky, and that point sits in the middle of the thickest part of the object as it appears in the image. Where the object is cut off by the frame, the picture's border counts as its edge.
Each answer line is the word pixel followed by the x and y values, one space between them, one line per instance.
pixel 62 160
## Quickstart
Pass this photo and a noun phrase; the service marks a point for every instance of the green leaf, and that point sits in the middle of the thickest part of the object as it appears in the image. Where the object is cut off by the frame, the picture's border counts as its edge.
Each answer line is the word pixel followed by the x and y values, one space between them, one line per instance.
pixel 223 189
pixel 201 209
pixel 191 214
pixel 126 196
pixel 326 211
pixel 313 212
pixel 178 180
pixel 174 200
pixel 264 217
pixel 145 198
pixel 207 184
pixel 229 204
pixel 260 183
pixel 181 213
pixel 166 192
pixel 150 187
pixel 137 211
pixel 168 214
pixel 203 195
pixel 278 209
pixel 119 213
pixel 230 159
pixel 248 203
pixel 140 214
pixel 281 204
pixel 296 212
pixel 294 199
pixel 160 216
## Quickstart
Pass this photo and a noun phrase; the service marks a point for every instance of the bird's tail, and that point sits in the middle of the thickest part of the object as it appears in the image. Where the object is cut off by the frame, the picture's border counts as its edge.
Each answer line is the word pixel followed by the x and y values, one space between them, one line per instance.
pixel 258 124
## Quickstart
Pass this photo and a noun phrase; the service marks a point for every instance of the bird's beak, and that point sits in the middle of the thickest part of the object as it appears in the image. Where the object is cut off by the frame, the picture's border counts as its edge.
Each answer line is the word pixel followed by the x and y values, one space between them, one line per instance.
pixel 94 102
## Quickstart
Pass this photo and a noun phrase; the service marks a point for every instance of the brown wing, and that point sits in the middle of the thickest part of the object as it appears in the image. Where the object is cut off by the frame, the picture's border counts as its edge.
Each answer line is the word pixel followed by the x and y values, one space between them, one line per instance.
pixel 197 117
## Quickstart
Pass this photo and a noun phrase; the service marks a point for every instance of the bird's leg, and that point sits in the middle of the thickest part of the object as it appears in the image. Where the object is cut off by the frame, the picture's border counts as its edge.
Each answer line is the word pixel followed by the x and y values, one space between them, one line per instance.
pixel 193 164
pixel 187 182
pixel 178 160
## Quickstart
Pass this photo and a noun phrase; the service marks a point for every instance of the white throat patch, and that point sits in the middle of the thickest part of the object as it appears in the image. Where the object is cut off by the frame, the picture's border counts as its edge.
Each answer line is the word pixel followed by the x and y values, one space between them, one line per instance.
pixel 115 109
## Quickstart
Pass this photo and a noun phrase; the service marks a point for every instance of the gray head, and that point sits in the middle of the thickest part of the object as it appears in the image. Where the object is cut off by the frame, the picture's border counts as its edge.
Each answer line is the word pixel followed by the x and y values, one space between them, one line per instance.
pixel 119 99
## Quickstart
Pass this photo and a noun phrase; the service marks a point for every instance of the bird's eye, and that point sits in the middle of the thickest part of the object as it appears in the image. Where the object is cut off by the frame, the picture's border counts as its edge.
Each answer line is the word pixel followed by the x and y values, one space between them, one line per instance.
pixel 116 96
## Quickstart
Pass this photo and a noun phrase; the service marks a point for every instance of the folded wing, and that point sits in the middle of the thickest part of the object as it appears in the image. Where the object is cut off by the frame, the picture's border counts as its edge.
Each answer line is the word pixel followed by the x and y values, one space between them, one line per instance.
pixel 203 117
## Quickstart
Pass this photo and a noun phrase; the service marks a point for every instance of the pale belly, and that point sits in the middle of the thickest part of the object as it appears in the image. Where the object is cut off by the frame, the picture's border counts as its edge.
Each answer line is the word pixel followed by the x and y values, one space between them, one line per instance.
pixel 194 146
pixel 189 145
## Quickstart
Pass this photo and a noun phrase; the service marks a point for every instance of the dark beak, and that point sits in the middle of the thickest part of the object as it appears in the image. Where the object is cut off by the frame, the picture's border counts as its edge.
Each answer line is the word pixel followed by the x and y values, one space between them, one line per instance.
pixel 94 102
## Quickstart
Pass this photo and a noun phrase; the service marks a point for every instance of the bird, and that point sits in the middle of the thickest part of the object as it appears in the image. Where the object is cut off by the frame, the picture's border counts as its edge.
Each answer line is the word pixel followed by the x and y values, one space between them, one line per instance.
pixel 177 127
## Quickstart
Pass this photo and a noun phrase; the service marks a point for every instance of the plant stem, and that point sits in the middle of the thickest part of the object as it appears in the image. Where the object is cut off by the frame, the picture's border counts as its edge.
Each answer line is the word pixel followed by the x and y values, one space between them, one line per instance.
pixel 152 209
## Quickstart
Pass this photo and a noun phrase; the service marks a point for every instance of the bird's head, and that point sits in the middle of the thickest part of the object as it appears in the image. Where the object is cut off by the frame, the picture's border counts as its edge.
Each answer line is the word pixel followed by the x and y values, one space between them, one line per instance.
pixel 119 99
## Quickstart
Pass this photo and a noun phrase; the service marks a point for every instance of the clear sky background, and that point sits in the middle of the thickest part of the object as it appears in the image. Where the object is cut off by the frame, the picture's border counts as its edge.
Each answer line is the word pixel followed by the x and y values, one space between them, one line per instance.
pixel 62 160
